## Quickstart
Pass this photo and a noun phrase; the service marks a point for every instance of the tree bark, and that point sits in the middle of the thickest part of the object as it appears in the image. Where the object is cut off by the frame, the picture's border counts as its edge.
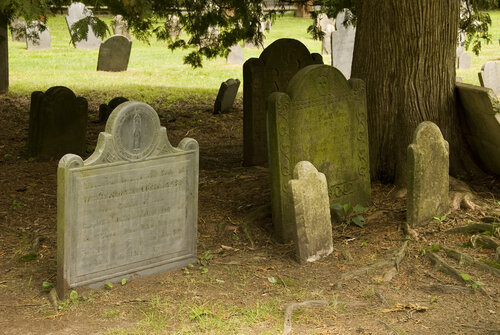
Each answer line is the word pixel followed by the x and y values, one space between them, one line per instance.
pixel 4 56
pixel 405 52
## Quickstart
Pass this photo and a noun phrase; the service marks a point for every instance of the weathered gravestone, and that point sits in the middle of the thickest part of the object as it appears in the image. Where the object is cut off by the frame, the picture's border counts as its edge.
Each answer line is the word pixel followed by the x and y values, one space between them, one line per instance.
pixel 321 119
pixel 326 41
pixel 130 208
pixel 463 58
pixel 173 26
pixel 482 124
pixel 490 76
pixel 37 36
pixel 227 94
pixel 120 26
pixel 76 12
pixel 18 30
pixel 311 213
pixel 114 54
pixel 271 72
pixel 428 174
pixel 235 55
pixel 343 45
pixel 58 123
pixel 106 109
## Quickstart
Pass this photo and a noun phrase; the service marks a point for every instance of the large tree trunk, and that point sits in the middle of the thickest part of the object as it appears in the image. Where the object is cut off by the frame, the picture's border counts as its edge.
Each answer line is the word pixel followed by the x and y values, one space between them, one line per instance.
pixel 405 52
pixel 4 56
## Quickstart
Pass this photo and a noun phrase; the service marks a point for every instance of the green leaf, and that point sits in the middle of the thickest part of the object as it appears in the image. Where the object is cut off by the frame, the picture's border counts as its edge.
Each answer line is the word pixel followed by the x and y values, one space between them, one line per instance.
pixel 124 281
pixel 186 271
pixel 203 270
pixel 465 276
pixel 359 209
pixel 358 220
pixel 336 206
pixel 272 280
pixel 347 207
pixel 219 281
pixel 73 295
pixel 108 286
pixel 46 285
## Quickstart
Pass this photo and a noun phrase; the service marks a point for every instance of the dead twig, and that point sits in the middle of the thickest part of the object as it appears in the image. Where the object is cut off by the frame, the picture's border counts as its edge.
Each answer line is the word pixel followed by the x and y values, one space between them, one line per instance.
pixel 287 325
pixel 388 326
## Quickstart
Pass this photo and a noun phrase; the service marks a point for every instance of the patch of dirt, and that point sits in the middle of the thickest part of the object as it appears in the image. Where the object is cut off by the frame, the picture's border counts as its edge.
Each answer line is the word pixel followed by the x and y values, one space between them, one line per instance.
pixel 248 267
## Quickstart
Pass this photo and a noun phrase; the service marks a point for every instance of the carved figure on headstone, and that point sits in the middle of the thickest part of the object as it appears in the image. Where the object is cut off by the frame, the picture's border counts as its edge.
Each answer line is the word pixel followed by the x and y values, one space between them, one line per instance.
pixel 106 109
pixel 120 27
pixel 18 30
pixel 227 94
pixel 37 36
pixel 489 76
pixel 114 54
pixel 343 45
pixel 76 12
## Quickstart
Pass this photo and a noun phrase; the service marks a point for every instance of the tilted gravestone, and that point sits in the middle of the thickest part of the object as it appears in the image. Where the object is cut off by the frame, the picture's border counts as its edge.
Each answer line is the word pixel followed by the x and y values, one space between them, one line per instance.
pixel 18 30
pixel 235 55
pixel 482 124
pixel 271 72
pixel 227 94
pixel 114 54
pixel 58 123
pixel 490 76
pixel 106 109
pixel 343 45
pixel 311 213
pixel 76 12
pixel 428 174
pixel 321 119
pixel 120 26
pixel 326 41
pixel 37 36
pixel 130 208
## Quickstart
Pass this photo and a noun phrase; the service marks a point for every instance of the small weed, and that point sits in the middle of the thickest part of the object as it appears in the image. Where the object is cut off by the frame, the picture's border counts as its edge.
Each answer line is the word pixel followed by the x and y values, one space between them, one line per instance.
pixel 441 219
pixel 369 292
pixel 71 300
pixel 434 248
pixel 111 314
pixel 472 283
pixel 124 281
pixel 349 214
pixel 47 285
pixel 107 286
pixel 29 257
pixel 15 204
pixel 493 264
pixel 7 157
pixel 205 258
pixel 364 243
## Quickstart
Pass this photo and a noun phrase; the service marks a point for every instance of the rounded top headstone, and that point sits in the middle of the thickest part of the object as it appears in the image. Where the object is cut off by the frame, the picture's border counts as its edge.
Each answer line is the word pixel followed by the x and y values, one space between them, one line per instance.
pixel 78 10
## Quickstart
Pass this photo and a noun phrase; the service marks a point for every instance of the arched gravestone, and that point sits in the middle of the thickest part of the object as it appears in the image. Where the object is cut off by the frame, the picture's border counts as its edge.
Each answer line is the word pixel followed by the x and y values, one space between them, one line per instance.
pixel 130 208
pixel 36 38
pixel 76 12
pixel 489 76
pixel 114 54
pixel 106 109
pixel 321 119
pixel 271 72
pixel 58 123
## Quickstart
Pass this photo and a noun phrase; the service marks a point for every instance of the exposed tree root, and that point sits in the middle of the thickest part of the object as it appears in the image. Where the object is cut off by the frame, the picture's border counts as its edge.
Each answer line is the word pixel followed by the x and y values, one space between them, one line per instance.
pixel 461 195
pixel 475 228
pixel 485 241
pixel 287 325
pixel 466 259
pixel 447 289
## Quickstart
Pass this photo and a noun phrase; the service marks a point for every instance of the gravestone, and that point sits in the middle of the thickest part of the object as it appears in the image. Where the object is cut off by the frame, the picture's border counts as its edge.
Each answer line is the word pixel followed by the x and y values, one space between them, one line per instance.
pixel 271 72
pixel 18 30
pixel 210 37
pixel 326 41
pixel 482 124
pixel 235 55
pixel 227 94
pixel 321 118
pixel 463 59
pixel 129 209
pixel 76 12
pixel 428 174
pixel 322 21
pixel 37 36
pixel 268 25
pixel 114 54
pixel 106 109
pixel 490 76
pixel 58 123
pixel 343 45
pixel 120 27
pixel 173 26
pixel 310 213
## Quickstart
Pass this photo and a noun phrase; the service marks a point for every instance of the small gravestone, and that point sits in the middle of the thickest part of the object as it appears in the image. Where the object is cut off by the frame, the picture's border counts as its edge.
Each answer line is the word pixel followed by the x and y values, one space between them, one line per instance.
pixel 76 12
pixel 173 26
pixel 235 55
pixel 120 26
pixel 321 118
pixel 490 76
pixel 37 36
pixel 268 25
pixel 18 30
pixel 326 41
pixel 464 60
pixel 129 209
pixel 106 109
pixel 482 124
pixel 227 94
pixel 58 123
pixel 311 213
pixel 343 45
pixel 271 72
pixel 428 174
pixel 210 37
pixel 114 54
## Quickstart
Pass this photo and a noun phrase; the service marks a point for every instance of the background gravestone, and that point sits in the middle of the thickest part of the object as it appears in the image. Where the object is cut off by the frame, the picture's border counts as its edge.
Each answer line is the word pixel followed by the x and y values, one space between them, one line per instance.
pixel 18 30
pixel 321 119
pixel 76 12
pixel 114 54
pixel 311 213
pixel 271 72
pixel 463 59
pixel 343 45
pixel 173 26
pixel 235 55
pixel 37 36
pixel 58 123
pixel 326 41
pixel 490 76
pixel 227 94
pixel 120 27
pixel 129 209
pixel 428 174
pixel 106 109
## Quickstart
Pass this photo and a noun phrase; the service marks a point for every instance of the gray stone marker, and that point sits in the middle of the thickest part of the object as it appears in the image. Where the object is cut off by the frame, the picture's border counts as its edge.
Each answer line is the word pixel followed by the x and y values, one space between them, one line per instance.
pixel 463 59
pixel 321 119
pixel 268 25
pixel 129 209
pixel 173 26
pixel 235 55
pixel 343 46
pixel 326 41
pixel 311 213
pixel 482 124
pixel 106 109
pixel 271 72
pixel 76 12
pixel 114 54
pixel 37 36
pixel 58 123
pixel 18 30
pixel 428 174
pixel 490 76
pixel 227 94
pixel 120 27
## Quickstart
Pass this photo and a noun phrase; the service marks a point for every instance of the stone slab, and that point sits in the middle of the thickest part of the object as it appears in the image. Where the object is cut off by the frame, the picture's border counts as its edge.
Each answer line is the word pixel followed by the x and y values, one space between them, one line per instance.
pixel 18 30
pixel 235 55
pixel 227 94
pixel 37 36
pixel 129 209
pixel 464 60
pixel 76 12
pixel 114 54
pixel 489 76
pixel 342 49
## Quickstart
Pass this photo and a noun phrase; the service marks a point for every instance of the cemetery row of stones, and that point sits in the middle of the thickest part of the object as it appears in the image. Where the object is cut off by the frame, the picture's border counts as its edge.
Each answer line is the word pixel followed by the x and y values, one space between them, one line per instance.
pixel 131 207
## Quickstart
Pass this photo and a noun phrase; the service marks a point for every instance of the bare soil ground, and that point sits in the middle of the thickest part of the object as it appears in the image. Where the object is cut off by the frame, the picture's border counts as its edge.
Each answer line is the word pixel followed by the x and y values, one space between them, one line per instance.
pixel 248 268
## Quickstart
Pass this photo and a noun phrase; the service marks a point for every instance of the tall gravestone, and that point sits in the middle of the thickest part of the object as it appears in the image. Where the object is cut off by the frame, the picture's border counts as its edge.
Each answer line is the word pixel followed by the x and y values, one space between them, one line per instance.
pixel 130 208
pixel 271 72
pixel 326 41
pixel 58 123
pixel 120 27
pixel 114 54
pixel 37 36
pixel 76 12
pixel 311 213
pixel 321 118
pixel 227 94
pixel 343 45
pixel 18 30
pixel 489 76
pixel 428 174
